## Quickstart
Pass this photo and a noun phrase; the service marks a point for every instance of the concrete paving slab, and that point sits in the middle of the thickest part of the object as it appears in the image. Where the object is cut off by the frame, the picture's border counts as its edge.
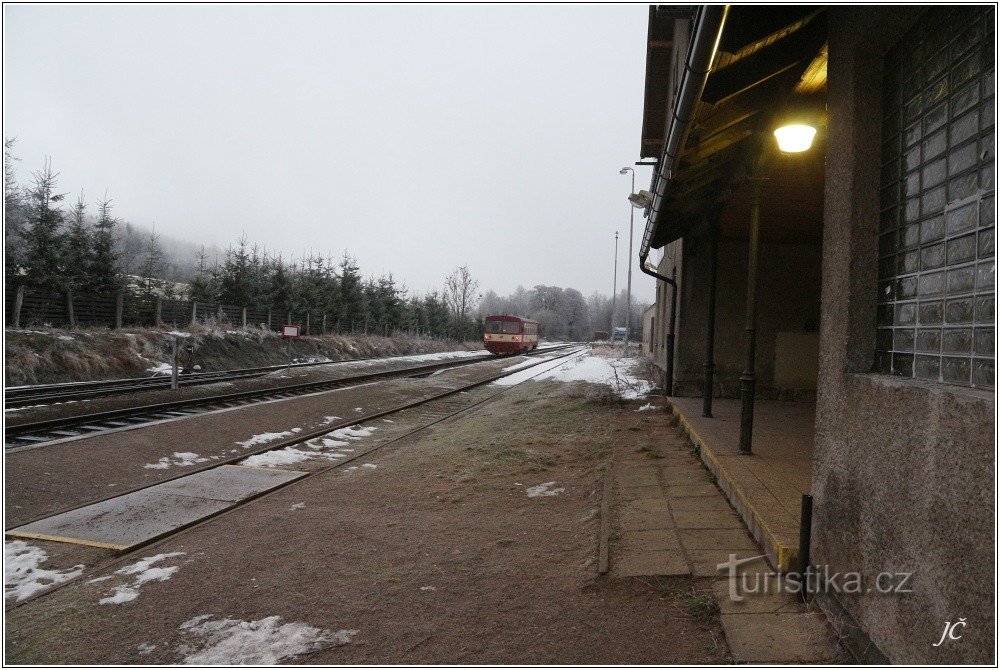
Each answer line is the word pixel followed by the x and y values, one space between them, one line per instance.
pixel 705 562
pixel 652 505
pixel 778 638
pixel 760 593
pixel 733 540
pixel 684 476
pixel 636 476
pixel 636 520
pixel 691 490
pixel 651 564
pixel 641 492
pixel 700 504
pixel 138 518
pixel 228 482
pixel 712 518
pixel 650 540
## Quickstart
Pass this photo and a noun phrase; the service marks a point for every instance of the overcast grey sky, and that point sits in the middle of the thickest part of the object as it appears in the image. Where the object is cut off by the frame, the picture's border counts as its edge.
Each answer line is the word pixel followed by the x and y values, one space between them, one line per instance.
pixel 417 138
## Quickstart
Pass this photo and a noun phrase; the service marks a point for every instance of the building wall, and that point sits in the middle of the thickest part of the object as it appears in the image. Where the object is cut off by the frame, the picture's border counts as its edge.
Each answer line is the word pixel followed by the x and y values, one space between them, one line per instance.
pixel 788 306
pixel 903 470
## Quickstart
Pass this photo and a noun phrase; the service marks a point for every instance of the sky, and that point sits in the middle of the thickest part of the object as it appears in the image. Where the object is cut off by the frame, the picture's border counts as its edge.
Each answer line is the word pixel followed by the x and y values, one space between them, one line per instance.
pixel 418 138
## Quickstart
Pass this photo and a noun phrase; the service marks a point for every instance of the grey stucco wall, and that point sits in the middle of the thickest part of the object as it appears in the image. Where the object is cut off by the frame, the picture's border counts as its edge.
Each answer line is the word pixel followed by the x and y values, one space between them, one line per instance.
pixel 903 476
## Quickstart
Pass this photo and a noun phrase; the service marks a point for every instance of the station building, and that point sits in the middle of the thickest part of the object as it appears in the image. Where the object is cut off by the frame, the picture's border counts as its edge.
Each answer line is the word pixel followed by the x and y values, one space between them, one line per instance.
pixel 835 305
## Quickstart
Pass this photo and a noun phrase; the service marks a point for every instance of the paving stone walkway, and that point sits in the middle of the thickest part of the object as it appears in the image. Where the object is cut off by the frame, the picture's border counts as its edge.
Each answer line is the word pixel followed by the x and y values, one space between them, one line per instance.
pixel 669 519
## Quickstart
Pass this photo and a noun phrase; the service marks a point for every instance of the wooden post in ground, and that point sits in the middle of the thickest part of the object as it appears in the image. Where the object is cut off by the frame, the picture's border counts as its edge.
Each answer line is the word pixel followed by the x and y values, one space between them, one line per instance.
pixel 69 309
pixel 157 312
pixel 194 311
pixel 244 318
pixel 269 318
pixel 289 320
pixel 18 301
pixel 307 322
pixel 119 309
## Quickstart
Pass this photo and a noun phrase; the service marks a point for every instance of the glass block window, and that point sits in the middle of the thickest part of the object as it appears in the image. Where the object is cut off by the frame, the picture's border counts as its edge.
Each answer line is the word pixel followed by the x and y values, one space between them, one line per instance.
pixel 937 259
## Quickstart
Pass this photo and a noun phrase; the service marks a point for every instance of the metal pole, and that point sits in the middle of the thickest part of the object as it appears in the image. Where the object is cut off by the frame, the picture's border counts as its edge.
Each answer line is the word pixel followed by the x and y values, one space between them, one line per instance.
pixel 748 380
pixel 713 254
pixel 628 298
pixel 614 290
pixel 671 334
pixel 173 364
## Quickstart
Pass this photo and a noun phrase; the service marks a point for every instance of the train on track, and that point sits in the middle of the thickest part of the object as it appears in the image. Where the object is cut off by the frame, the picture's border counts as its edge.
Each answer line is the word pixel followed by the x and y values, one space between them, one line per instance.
pixel 505 334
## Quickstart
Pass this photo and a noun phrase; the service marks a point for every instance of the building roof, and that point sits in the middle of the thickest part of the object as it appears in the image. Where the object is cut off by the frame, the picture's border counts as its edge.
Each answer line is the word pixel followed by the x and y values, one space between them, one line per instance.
pixel 770 58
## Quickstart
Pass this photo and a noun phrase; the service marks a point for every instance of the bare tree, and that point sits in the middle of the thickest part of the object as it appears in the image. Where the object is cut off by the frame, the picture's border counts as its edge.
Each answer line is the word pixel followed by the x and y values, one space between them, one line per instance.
pixel 460 295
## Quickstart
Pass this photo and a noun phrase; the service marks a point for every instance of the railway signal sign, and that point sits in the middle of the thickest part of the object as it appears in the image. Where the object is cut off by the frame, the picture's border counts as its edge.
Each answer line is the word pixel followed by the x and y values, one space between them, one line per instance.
pixel 290 332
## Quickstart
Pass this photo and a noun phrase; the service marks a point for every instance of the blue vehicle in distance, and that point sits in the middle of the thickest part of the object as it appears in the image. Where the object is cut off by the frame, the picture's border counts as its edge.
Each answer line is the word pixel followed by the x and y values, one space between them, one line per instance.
pixel 618 334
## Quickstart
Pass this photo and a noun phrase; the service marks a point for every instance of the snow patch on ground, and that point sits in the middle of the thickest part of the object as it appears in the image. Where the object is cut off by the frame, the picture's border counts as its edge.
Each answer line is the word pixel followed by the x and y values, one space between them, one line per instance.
pixel 142 572
pixel 161 369
pixel 263 642
pixel 648 406
pixel 327 420
pixel 145 648
pixel 359 409
pixel 298 505
pixel 524 364
pixel 543 490
pixel 353 432
pixel 22 576
pixel 428 588
pixel 370 466
pixel 335 440
pixel 180 458
pixel 264 438
pixel 593 369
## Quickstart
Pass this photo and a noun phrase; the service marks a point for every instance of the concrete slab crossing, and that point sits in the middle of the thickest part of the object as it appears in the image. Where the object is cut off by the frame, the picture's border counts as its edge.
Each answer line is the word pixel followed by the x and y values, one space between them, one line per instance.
pixel 137 518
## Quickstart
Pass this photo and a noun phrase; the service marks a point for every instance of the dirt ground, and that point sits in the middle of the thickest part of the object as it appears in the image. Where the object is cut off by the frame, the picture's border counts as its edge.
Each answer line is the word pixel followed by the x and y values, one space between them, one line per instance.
pixel 435 555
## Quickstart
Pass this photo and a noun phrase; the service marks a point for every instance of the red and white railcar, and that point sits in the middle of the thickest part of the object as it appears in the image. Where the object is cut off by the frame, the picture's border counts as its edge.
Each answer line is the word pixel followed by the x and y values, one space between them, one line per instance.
pixel 505 334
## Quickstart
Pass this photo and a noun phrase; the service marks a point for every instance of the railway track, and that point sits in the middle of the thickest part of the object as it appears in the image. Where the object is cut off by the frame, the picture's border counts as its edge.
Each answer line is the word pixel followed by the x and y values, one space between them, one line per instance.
pixel 435 409
pixel 44 394
pixel 36 433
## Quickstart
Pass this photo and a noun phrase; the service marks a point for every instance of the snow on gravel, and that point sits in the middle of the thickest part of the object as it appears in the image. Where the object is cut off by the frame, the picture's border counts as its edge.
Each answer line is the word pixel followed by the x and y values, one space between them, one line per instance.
pixel 264 438
pixel 161 369
pixel 22 575
pixel 543 490
pixel 593 369
pixel 298 505
pixel 263 642
pixel 179 458
pixel 648 406
pixel 524 364
pixel 142 572
pixel 318 447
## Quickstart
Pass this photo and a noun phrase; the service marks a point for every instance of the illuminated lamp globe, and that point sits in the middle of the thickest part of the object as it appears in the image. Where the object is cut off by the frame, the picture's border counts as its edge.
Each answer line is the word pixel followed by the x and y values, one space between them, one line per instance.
pixel 795 138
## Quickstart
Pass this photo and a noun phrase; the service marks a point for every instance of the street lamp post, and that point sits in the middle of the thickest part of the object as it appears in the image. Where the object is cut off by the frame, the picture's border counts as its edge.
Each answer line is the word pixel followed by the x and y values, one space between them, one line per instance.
pixel 628 297
pixel 614 291
pixel 794 138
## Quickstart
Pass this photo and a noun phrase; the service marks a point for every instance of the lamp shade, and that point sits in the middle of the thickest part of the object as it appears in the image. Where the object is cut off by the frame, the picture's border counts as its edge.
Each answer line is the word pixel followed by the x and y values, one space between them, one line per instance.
pixel 795 138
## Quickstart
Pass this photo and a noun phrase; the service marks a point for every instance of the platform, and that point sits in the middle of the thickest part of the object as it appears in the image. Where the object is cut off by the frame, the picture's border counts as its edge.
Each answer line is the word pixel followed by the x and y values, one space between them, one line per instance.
pixel 134 519
pixel 766 487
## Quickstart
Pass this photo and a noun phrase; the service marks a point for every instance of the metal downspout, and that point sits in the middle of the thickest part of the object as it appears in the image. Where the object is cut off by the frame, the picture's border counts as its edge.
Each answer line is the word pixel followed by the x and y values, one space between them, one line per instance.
pixel 708 30
pixel 671 331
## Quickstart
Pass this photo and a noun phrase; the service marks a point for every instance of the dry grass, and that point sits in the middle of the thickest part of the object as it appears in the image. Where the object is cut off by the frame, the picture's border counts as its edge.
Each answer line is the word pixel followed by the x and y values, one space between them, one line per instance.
pixel 50 355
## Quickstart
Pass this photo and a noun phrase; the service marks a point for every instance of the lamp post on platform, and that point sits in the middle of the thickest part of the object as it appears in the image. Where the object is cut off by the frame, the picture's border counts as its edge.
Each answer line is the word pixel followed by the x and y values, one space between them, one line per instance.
pixel 628 295
pixel 792 138
pixel 614 291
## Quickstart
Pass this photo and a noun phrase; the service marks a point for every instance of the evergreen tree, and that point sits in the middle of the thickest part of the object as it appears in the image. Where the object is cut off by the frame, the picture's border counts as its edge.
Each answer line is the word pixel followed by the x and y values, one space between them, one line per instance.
pixel 150 286
pixel 202 287
pixel 14 215
pixel 105 274
pixel 44 238
pixel 351 304
pixel 79 249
